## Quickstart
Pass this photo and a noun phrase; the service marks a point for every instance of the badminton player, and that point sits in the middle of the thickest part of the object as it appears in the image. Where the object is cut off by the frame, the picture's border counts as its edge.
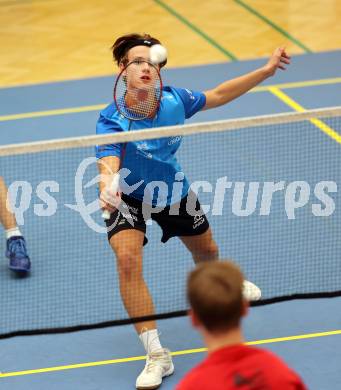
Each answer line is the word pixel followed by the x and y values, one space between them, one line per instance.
pixel 156 160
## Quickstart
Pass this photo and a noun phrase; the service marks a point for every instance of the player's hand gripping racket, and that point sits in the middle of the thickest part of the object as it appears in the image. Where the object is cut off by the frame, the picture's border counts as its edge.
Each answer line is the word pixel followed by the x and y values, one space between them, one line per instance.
pixel 114 187
pixel 137 95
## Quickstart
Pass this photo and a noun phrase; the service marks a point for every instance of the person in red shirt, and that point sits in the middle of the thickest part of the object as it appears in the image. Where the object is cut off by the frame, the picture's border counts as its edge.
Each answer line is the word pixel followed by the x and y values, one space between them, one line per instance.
pixel 214 291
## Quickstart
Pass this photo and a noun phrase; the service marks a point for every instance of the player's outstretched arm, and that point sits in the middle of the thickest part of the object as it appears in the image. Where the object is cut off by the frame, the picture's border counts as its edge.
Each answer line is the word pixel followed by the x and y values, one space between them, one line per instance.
pixel 236 87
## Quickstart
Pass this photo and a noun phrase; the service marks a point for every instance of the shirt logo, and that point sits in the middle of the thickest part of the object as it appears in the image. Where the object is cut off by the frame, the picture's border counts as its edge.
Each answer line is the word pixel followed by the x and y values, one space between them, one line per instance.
pixel 174 140
pixel 190 93
pixel 142 146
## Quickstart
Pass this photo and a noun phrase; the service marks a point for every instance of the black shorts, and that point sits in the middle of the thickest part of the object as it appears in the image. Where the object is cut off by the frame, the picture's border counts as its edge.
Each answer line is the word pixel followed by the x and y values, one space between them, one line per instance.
pixel 175 220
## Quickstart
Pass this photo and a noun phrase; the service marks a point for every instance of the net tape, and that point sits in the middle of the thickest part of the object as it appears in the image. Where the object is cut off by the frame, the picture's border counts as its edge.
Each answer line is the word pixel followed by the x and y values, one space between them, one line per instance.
pixel 169 131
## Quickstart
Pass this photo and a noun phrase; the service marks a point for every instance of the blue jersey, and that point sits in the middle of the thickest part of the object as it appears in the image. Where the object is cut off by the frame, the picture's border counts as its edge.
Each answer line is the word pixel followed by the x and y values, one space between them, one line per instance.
pixel 152 162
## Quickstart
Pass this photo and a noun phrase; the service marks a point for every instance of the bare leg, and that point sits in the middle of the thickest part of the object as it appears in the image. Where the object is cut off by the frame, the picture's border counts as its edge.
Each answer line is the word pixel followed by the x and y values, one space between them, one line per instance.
pixel 128 247
pixel 7 218
pixel 202 247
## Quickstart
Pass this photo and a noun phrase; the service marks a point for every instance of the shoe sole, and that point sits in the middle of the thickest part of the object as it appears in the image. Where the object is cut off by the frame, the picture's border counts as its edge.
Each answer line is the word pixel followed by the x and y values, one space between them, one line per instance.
pixel 167 373
pixel 19 271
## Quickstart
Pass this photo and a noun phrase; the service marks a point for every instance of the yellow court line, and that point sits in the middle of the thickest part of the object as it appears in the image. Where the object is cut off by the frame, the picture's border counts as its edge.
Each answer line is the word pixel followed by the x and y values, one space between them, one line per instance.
pixel 97 107
pixel 299 84
pixel 62 111
pixel 297 107
pixel 177 353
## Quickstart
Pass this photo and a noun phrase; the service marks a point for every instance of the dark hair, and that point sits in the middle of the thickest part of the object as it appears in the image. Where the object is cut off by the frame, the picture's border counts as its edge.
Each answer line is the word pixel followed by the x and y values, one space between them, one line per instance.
pixel 214 291
pixel 124 43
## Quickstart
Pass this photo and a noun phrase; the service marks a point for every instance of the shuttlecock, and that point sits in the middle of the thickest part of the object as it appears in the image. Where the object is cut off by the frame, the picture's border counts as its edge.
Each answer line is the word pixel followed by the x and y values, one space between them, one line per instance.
pixel 157 54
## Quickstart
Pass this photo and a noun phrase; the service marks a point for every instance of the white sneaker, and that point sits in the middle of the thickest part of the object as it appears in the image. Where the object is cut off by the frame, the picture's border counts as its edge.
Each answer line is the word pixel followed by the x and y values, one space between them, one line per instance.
pixel 251 292
pixel 158 365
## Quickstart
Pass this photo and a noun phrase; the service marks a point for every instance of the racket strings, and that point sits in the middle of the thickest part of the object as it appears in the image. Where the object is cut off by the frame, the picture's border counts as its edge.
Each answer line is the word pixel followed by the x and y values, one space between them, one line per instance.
pixel 138 91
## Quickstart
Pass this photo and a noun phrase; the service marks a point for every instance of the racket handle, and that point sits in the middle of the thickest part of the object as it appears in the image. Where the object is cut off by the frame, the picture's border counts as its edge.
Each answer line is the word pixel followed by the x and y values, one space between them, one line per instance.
pixel 114 187
pixel 106 215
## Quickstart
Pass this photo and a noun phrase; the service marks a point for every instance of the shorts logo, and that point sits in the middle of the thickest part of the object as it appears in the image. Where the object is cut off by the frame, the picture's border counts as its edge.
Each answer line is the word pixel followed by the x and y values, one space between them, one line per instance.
pixel 190 93
pixel 128 213
pixel 132 209
pixel 127 216
pixel 198 220
pixel 122 222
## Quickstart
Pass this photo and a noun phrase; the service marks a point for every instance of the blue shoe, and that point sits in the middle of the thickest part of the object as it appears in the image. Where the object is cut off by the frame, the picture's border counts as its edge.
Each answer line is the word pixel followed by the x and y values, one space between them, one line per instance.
pixel 17 253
